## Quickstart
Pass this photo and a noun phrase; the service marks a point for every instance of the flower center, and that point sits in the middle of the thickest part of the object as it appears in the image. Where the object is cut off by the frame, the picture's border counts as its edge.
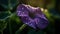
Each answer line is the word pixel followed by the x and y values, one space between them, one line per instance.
pixel 32 15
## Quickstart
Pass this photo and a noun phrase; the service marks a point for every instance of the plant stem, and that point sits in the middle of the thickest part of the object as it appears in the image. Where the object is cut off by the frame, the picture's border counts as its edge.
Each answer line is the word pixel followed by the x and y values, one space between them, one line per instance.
pixel 10 27
pixel 21 28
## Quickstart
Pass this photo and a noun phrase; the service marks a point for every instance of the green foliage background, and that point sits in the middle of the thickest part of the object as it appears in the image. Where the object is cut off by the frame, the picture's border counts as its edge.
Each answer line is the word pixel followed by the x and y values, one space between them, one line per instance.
pixel 11 24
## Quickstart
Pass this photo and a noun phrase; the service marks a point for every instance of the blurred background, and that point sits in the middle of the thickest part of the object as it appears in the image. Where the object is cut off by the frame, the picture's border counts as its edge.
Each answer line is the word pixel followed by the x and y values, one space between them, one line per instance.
pixel 11 24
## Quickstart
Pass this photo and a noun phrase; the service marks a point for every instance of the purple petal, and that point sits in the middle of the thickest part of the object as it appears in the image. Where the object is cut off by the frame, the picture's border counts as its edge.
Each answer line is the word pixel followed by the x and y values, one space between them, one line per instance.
pixel 41 23
pixel 29 21
pixel 21 13
pixel 22 7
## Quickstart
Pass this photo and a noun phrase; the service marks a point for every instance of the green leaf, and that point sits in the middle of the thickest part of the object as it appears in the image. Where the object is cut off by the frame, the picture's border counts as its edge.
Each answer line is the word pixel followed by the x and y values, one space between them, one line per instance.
pixel 15 18
pixel 8 4
pixel 4 15
pixel 32 31
pixel 3 25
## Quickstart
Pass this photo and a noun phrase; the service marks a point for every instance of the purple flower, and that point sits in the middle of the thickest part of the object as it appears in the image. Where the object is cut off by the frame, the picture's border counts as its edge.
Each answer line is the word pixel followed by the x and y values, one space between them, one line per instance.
pixel 32 16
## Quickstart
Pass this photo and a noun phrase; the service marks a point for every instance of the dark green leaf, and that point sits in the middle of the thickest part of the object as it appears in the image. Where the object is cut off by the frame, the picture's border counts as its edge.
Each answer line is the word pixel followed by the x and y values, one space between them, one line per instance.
pixel 4 15
pixel 8 4
pixel 35 32
pixel 3 25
